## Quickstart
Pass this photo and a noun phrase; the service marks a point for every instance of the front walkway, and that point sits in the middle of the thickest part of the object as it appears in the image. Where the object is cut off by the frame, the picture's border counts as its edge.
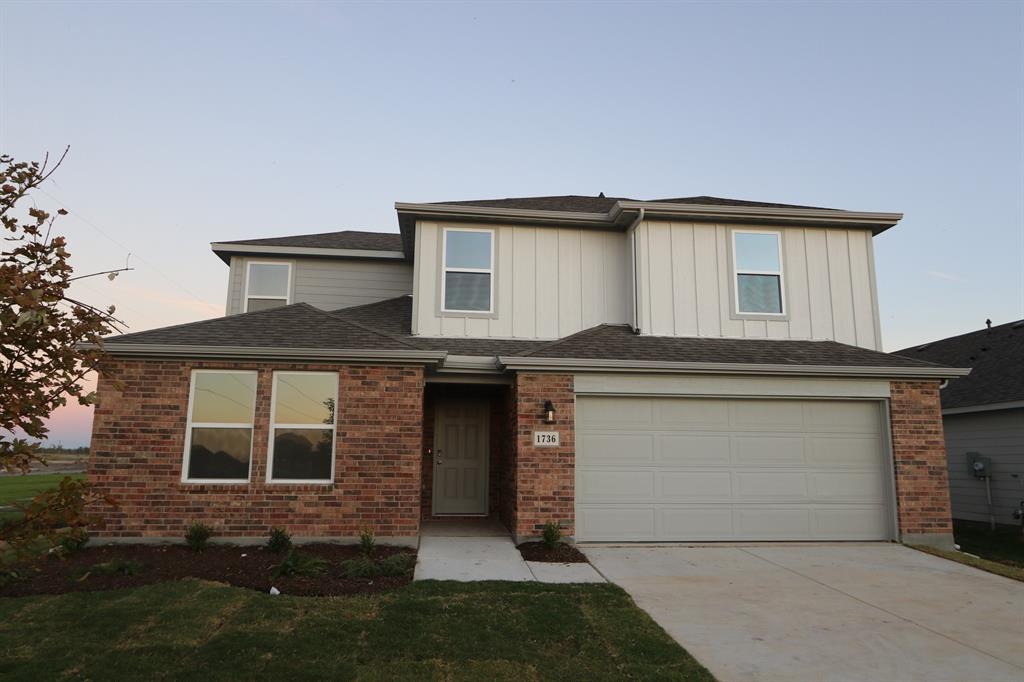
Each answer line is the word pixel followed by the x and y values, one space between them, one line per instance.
pixel 827 612
pixel 482 549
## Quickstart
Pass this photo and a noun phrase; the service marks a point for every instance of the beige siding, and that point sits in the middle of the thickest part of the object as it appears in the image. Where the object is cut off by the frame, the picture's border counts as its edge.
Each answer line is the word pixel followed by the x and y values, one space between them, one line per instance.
pixel 548 283
pixel 686 289
pixel 999 435
pixel 329 284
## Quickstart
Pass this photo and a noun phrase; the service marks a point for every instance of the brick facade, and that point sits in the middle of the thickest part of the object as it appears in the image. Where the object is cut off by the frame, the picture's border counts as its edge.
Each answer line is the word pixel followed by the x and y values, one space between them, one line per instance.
pixel 138 443
pixel 919 454
pixel 545 485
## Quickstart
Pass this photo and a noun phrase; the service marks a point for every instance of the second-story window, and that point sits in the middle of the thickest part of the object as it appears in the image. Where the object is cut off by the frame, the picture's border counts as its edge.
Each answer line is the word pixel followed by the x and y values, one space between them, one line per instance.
pixel 267 285
pixel 757 262
pixel 466 285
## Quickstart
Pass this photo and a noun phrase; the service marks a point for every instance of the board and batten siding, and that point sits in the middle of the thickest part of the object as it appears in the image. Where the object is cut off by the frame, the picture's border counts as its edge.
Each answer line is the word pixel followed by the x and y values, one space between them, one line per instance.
pixel 999 435
pixel 329 284
pixel 548 283
pixel 685 284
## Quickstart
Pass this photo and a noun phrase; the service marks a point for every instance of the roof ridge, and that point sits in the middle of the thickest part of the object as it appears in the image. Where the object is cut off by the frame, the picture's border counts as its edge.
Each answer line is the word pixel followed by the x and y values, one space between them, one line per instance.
pixel 212 319
pixel 332 314
pixel 367 305
pixel 959 336
pixel 582 332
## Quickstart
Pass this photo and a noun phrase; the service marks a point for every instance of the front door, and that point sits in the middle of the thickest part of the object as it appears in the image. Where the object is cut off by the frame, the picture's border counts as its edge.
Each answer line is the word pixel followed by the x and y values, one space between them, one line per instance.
pixel 461 457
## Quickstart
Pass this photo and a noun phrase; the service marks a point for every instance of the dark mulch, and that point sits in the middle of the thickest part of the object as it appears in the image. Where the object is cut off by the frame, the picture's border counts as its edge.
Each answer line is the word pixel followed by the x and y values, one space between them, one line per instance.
pixel 235 565
pixel 561 554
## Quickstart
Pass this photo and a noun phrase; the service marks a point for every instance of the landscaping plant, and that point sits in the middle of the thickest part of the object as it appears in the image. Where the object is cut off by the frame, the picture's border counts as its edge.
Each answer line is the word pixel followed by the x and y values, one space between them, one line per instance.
pixel 364 567
pixel 122 566
pixel 297 563
pixel 198 536
pixel 367 542
pixel 54 518
pixel 280 541
pixel 552 534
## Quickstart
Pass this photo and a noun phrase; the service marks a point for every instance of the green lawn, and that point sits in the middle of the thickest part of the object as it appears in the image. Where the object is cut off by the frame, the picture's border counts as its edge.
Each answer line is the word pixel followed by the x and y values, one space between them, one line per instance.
pixel 23 488
pixel 425 631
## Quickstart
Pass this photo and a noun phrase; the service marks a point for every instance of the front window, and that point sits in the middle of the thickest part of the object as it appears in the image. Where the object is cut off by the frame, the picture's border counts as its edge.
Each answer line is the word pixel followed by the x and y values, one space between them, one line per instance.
pixel 218 441
pixel 468 269
pixel 302 425
pixel 267 285
pixel 758 267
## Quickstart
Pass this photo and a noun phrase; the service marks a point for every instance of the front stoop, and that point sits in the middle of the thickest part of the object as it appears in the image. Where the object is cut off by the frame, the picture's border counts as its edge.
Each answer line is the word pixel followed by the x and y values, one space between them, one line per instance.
pixel 469 559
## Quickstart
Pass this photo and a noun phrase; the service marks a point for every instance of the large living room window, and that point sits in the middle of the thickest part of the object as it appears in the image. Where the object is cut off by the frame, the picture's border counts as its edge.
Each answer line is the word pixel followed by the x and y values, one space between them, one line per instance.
pixel 757 262
pixel 218 439
pixel 267 285
pixel 302 426
pixel 466 285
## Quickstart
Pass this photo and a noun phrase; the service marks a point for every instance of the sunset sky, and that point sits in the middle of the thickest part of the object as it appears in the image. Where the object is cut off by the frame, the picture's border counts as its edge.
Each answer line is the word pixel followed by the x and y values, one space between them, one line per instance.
pixel 190 123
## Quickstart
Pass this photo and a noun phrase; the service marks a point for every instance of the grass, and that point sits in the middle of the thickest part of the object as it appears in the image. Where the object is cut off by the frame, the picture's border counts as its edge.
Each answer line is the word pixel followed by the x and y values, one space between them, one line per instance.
pixel 984 564
pixel 425 631
pixel 1001 552
pixel 19 488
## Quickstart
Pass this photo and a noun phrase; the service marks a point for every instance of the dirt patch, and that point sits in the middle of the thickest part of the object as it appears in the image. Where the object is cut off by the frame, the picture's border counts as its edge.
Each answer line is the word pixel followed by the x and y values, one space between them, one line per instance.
pixel 240 566
pixel 561 554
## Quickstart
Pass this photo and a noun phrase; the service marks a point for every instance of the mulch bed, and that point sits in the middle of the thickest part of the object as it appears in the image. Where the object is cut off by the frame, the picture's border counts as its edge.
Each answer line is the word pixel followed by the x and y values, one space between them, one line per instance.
pixel 561 554
pixel 248 566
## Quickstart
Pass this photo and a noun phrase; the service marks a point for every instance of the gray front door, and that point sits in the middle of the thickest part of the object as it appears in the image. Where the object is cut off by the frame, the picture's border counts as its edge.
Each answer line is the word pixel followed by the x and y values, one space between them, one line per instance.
pixel 461 457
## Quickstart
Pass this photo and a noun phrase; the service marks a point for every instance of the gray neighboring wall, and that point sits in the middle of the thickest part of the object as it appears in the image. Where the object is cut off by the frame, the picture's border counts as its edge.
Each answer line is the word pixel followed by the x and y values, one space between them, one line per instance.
pixel 998 434
pixel 329 284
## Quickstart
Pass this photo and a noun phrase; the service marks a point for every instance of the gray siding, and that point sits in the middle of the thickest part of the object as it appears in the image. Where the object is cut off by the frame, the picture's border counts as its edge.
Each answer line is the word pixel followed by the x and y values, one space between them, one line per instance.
pixel 329 284
pixel 999 435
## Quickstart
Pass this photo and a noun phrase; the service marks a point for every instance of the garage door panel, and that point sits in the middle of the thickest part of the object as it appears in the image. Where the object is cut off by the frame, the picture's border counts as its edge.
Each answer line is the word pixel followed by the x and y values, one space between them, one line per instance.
pixel 611 523
pixel 760 485
pixel 730 469
pixel 683 450
pixel 616 484
pixel 695 523
pixel 608 448
pixel 765 450
pixel 679 486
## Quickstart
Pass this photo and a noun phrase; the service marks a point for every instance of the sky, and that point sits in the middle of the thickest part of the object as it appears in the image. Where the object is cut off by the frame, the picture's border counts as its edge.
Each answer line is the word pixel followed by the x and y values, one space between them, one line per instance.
pixel 195 122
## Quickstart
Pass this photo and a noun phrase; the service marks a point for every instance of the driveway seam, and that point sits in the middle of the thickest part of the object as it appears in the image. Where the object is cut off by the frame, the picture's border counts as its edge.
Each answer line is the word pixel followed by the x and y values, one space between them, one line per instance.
pixel 883 610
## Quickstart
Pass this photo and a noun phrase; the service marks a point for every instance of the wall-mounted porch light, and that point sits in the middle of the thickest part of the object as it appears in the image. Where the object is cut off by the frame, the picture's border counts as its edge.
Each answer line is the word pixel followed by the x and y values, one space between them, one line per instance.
pixel 549 412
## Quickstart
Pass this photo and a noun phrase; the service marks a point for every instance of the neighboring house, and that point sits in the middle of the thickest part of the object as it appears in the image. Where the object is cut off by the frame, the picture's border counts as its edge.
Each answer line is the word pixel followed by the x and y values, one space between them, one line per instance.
pixel 984 414
pixel 684 369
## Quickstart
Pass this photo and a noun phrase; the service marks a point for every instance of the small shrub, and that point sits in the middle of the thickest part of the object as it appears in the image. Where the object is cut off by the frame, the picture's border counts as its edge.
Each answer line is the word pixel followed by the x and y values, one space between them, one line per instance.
pixel 367 543
pixel 198 536
pixel 122 566
pixel 364 567
pixel 280 541
pixel 552 534
pixel 297 563
pixel 73 541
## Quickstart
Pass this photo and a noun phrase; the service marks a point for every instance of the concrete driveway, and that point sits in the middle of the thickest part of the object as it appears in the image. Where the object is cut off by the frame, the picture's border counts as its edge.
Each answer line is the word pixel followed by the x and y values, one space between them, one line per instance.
pixel 872 612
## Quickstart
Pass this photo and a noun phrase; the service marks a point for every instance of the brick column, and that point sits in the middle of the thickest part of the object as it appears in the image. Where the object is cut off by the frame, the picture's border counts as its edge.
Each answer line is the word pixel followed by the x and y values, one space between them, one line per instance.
pixel 919 454
pixel 545 477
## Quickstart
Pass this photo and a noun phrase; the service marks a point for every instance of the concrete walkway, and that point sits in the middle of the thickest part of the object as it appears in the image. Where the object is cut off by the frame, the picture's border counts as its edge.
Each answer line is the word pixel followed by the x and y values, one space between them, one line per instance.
pixel 469 550
pixel 827 612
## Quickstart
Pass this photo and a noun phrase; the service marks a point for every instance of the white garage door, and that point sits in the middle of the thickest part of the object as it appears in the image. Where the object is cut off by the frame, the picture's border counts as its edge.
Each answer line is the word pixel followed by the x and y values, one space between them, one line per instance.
pixel 675 469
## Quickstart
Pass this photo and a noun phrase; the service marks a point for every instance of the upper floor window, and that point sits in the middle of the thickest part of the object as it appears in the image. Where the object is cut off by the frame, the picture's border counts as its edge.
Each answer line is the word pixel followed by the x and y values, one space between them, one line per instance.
pixel 218 438
pixel 267 285
pixel 466 285
pixel 757 262
pixel 302 427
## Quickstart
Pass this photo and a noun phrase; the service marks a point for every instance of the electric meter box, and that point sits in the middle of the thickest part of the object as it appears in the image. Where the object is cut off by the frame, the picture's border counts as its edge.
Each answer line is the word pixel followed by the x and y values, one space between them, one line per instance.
pixel 978 465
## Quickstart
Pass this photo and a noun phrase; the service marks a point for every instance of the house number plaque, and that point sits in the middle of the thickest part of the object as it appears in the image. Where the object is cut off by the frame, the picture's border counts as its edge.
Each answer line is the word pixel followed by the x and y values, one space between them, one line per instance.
pixel 546 439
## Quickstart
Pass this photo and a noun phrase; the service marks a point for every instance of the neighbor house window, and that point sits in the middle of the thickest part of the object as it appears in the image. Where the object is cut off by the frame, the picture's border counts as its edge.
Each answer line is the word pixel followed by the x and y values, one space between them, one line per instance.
pixel 267 285
pixel 466 286
pixel 757 261
pixel 302 425
pixel 218 439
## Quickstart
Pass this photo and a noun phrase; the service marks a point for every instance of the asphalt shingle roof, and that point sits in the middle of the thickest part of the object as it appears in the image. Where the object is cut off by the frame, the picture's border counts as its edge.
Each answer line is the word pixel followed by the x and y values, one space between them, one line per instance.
pixel 347 239
pixel 996 357
pixel 600 204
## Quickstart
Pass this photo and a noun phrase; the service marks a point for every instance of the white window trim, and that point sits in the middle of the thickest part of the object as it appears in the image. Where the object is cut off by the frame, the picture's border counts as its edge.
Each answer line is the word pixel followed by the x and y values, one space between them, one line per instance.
pixel 189 425
pixel 287 298
pixel 445 270
pixel 273 425
pixel 736 272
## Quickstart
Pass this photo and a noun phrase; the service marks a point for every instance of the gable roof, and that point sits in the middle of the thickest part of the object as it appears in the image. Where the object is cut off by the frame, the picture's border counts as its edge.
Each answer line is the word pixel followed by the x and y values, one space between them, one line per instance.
pixel 996 357
pixel 345 242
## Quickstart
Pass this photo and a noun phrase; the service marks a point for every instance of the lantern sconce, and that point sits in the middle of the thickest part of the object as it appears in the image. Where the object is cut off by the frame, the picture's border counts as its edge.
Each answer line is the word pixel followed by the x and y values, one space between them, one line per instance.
pixel 549 412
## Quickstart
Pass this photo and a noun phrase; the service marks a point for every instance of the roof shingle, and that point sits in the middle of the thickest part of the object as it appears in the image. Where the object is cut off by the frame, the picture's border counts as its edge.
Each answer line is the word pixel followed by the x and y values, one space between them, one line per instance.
pixel 602 204
pixel 356 240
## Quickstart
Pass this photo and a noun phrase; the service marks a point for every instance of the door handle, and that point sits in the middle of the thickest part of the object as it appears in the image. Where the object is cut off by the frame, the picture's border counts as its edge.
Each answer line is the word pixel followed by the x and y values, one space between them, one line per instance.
pixel 437 458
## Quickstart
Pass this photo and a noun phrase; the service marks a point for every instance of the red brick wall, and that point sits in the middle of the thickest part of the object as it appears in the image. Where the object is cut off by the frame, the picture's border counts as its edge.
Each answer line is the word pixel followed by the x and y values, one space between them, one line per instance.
pixel 545 477
pixel 919 451
pixel 138 443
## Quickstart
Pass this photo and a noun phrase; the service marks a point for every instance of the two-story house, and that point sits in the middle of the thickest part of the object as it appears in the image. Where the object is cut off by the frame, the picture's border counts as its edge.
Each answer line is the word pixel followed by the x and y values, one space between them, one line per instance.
pixel 692 369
